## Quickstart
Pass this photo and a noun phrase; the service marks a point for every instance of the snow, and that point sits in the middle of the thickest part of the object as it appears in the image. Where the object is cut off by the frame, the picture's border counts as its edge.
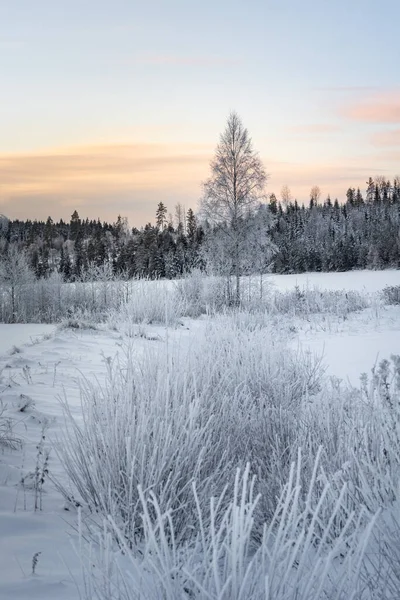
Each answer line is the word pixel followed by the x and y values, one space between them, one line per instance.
pixel 369 281
pixel 348 354
pixel 54 366
pixel 48 365
pixel 18 335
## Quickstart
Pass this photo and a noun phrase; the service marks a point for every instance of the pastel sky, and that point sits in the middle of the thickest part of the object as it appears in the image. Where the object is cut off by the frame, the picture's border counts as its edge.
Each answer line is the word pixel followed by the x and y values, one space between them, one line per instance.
pixel 111 106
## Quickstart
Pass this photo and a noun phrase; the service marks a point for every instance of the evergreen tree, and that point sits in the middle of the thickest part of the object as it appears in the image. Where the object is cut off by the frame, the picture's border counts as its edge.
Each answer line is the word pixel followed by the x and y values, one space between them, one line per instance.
pixel 161 216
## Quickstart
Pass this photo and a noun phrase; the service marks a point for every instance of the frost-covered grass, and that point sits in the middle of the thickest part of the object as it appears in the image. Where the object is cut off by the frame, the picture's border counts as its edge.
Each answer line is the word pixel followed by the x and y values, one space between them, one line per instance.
pixel 160 447
pixel 99 293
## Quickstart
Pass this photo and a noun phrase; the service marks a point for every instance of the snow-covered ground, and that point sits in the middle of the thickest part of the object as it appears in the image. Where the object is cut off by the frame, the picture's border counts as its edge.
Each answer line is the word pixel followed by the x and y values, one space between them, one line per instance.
pixel 369 281
pixel 12 337
pixel 48 364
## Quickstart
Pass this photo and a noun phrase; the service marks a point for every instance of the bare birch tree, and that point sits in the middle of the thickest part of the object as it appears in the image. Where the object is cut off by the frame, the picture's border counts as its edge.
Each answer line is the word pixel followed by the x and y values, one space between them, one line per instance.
pixel 234 191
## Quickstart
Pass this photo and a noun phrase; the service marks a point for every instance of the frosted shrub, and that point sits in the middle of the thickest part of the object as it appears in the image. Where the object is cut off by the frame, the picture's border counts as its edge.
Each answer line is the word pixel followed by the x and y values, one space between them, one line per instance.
pixel 203 294
pixel 208 294
pixel 162 418
pixel 391 294
pixel 304 301
pixel 148 302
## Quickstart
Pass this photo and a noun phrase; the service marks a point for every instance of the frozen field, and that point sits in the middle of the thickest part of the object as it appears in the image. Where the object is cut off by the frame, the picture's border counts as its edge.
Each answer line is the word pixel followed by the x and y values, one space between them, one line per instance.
pixel 49 363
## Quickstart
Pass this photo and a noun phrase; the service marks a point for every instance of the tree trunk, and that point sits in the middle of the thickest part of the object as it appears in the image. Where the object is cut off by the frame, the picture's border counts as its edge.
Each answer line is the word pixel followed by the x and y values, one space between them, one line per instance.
pixel 237 273
pixel 13 303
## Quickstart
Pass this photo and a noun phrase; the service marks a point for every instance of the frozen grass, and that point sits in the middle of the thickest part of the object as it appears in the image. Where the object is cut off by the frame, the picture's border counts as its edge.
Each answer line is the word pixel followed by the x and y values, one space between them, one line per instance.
pixel 149 302
pixel 298 557
pixel 166 436
pixel 106 299
pixel 212 295
pixel 166 418
pixel 7 438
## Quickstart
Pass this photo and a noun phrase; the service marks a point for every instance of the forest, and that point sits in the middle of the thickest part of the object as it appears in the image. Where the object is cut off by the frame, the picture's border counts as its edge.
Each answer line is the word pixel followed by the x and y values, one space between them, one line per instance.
pixel 361 232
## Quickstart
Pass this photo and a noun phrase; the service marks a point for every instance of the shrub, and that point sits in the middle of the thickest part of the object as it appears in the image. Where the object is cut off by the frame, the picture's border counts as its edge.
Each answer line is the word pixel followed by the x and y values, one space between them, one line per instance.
pixel 391 294
pixel 163 419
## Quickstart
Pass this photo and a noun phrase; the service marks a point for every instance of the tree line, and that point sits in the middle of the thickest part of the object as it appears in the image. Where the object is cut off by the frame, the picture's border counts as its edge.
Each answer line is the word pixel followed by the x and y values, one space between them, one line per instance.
pixel 361 233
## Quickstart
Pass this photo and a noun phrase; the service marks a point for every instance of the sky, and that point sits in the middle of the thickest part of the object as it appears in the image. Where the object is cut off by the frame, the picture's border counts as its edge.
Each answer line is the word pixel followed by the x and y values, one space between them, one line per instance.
pixel 109 107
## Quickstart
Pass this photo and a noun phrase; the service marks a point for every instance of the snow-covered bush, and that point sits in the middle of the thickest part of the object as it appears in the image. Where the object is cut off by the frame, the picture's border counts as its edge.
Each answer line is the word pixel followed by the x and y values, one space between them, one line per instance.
pixel 148 302
pixel 203 294
pixel 306 301
pixel 206 294
pixel 391 294
pixel 164 418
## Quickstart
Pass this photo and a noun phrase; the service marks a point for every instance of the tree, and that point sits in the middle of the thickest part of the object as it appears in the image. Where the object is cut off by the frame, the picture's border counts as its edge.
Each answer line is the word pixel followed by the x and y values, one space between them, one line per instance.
pixel 273 204
pixel 179 218
pixel 191 225
pixel 286 195
pixel 161 216
pixel 315 194
pixel 15 274
pixel 261 248
pixel 234 191
pixel 370 194
pixel 4 224
pixel 75 225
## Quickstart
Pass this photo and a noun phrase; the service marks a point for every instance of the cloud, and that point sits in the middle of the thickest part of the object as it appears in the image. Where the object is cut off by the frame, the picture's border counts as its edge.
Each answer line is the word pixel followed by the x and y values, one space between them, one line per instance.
pixel 387 138
pixel 383 108
pixel 131 179
pixel 102 180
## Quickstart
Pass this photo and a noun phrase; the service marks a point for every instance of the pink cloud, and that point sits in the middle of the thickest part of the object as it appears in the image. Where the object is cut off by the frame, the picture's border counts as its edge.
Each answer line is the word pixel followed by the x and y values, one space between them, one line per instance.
pixel 383 108
pixel 387 138
pixel 314 128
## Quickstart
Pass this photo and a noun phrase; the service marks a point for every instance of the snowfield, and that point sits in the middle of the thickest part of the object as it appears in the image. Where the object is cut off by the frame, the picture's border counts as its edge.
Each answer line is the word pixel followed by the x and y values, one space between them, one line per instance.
pixel 42 366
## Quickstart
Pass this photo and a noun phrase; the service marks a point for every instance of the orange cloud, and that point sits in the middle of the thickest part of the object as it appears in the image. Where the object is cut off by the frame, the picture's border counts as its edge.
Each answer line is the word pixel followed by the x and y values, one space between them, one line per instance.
pixel 109 179
pixel 384 108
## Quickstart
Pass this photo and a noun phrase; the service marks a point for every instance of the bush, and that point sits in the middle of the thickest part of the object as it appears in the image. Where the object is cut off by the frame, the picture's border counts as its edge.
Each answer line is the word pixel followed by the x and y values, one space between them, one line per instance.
pixel 391 294
pixel 164 419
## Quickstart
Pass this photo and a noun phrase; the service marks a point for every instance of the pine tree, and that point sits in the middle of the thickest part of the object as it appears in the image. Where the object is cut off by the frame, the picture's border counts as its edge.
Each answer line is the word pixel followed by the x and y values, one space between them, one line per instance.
pixel 370 195
pixel 75 225
pixel 161 216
